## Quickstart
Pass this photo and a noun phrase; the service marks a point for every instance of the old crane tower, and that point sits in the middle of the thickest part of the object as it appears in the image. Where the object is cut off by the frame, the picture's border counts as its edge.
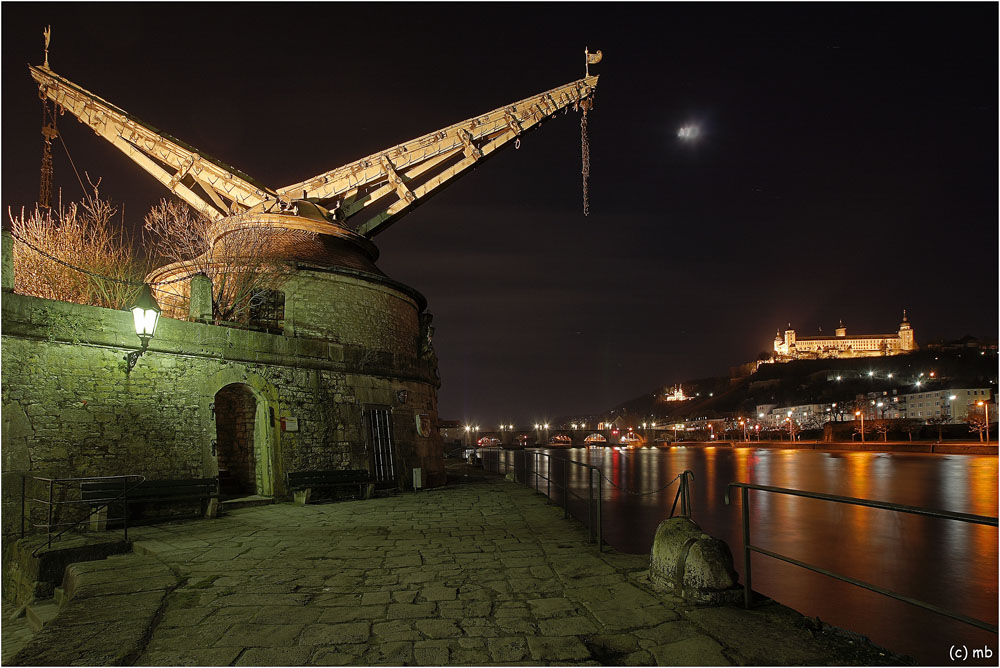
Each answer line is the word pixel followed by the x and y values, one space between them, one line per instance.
pixel 352 376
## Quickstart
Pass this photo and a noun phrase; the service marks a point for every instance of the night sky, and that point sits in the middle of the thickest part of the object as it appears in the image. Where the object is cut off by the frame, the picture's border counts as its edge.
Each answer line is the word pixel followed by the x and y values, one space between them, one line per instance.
pixel 846 167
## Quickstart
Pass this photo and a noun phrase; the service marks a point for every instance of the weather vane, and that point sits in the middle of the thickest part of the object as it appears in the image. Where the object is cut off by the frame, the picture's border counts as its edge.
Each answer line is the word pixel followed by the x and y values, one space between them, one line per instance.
pixel 48 37
pixel 592 58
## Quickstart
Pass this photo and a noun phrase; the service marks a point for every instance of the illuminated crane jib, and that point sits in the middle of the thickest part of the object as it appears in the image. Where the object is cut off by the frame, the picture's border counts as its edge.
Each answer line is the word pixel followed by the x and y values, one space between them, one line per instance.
pixel 364 197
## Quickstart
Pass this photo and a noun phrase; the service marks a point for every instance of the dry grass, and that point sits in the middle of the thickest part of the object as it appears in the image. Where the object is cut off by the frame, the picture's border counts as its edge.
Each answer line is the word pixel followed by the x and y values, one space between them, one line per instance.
pixel 82 235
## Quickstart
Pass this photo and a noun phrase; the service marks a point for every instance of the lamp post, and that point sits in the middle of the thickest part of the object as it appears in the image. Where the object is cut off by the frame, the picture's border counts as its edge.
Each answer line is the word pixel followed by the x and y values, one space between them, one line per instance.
pixel 856 414
pixel 146 315
pixel 986 405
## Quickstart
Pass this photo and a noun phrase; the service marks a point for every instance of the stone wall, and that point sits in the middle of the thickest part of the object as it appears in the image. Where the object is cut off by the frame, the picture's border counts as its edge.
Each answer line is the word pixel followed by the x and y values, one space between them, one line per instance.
pixel 69 409
pixel 354 311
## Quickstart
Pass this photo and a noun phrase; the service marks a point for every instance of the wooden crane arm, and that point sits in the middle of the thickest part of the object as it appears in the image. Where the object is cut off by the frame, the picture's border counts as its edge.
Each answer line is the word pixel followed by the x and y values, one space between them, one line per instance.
pixel 395 180
pixel 211 187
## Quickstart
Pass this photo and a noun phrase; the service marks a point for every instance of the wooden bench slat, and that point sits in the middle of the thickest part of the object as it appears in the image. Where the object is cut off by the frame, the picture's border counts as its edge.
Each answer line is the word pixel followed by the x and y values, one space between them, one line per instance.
pixel 149 490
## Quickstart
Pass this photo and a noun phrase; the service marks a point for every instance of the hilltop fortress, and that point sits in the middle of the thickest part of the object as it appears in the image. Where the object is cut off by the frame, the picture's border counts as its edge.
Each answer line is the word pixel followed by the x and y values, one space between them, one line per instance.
pixel 840 344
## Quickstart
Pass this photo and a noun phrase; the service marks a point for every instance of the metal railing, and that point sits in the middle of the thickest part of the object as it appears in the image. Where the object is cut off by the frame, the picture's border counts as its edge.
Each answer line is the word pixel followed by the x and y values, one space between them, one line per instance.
pixel 748 547
pixel 62 487
pixel 527 468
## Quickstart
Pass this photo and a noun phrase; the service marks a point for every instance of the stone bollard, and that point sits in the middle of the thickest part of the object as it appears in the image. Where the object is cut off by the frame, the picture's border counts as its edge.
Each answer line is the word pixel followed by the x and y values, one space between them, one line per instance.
pixel 200 304
pixel 691 564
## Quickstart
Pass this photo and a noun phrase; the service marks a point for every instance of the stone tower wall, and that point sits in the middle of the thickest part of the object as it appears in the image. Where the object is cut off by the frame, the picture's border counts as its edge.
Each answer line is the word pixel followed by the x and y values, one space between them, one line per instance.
pixel 351 311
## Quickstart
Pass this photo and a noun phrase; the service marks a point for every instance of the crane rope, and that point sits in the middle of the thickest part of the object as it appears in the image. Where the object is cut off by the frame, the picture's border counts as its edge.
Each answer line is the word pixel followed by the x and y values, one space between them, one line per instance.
pixel 585 155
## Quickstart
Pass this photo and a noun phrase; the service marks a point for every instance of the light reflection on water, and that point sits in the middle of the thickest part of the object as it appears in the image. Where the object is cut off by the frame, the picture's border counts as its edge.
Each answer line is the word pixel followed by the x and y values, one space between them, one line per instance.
pixel 947 563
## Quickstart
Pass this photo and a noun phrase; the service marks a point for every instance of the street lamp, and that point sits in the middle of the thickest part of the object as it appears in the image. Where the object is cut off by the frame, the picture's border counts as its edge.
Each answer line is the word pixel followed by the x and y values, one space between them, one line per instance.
pixel 146 314
pixel 856 414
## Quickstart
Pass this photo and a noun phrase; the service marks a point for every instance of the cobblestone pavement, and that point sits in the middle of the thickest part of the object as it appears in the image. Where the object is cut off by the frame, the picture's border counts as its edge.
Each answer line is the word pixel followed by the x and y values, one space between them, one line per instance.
pixel 14 633
pixel 483 573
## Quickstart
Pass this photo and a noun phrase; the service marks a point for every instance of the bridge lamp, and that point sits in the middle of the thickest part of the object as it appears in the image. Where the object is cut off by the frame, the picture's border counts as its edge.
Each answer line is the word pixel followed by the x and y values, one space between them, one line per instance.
pixel 146 314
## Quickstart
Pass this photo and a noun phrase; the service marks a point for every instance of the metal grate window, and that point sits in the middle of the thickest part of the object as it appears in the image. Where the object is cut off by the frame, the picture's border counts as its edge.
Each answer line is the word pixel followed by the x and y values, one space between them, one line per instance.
pixel 378 423
pixel 267 311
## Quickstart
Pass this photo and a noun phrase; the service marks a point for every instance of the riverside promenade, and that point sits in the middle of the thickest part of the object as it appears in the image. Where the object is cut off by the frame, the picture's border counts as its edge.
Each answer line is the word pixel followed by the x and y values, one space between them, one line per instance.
pixel 484 572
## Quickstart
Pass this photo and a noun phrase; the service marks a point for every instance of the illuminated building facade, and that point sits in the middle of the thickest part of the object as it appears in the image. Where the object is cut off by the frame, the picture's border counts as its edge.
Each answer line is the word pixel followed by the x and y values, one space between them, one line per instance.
pixel 792 347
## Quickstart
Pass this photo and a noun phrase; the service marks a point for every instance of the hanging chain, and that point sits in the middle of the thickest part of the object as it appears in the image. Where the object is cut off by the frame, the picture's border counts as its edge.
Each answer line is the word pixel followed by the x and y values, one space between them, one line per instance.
pixel 585 154
pixel 50 132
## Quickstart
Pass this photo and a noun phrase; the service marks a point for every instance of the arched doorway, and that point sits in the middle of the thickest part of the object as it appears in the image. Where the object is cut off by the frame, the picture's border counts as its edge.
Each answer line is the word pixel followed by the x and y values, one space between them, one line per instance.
pixel 237 432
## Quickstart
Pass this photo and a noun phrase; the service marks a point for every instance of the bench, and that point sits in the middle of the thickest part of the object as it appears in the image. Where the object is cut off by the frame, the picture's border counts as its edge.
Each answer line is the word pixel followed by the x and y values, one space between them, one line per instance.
pixel 137 497
pixel 306 481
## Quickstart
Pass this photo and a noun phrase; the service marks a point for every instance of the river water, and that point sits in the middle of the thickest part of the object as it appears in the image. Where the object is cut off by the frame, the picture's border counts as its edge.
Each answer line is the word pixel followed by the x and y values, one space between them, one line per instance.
pixel 947 563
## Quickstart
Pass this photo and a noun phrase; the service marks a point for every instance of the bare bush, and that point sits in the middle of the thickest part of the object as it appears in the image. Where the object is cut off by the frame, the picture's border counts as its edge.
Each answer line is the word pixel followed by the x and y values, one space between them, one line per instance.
pixel 240 255
pixel 76 253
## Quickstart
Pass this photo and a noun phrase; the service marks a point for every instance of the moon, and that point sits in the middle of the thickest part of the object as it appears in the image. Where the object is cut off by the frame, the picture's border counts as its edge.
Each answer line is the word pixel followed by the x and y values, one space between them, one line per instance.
pixel 689 132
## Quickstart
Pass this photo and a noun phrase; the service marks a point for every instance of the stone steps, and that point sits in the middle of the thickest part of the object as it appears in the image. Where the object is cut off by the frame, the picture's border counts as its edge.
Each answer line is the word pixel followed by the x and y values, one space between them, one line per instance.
pixel 246 502
pixel 41 613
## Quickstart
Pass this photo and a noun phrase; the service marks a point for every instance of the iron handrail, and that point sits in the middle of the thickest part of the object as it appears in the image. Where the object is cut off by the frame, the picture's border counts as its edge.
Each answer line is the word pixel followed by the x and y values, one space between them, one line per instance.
pixel 683 495
pixel 536 475
pixel 96 504
pixel 748 547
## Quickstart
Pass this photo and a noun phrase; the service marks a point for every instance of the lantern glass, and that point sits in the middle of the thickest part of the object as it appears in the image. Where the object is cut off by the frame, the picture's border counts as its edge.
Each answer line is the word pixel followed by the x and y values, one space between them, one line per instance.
pixel 145 321
pixel 146 314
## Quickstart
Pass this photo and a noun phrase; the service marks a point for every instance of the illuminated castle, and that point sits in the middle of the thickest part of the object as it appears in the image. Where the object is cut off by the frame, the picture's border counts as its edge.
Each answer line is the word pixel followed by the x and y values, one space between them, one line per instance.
pixel 841 345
